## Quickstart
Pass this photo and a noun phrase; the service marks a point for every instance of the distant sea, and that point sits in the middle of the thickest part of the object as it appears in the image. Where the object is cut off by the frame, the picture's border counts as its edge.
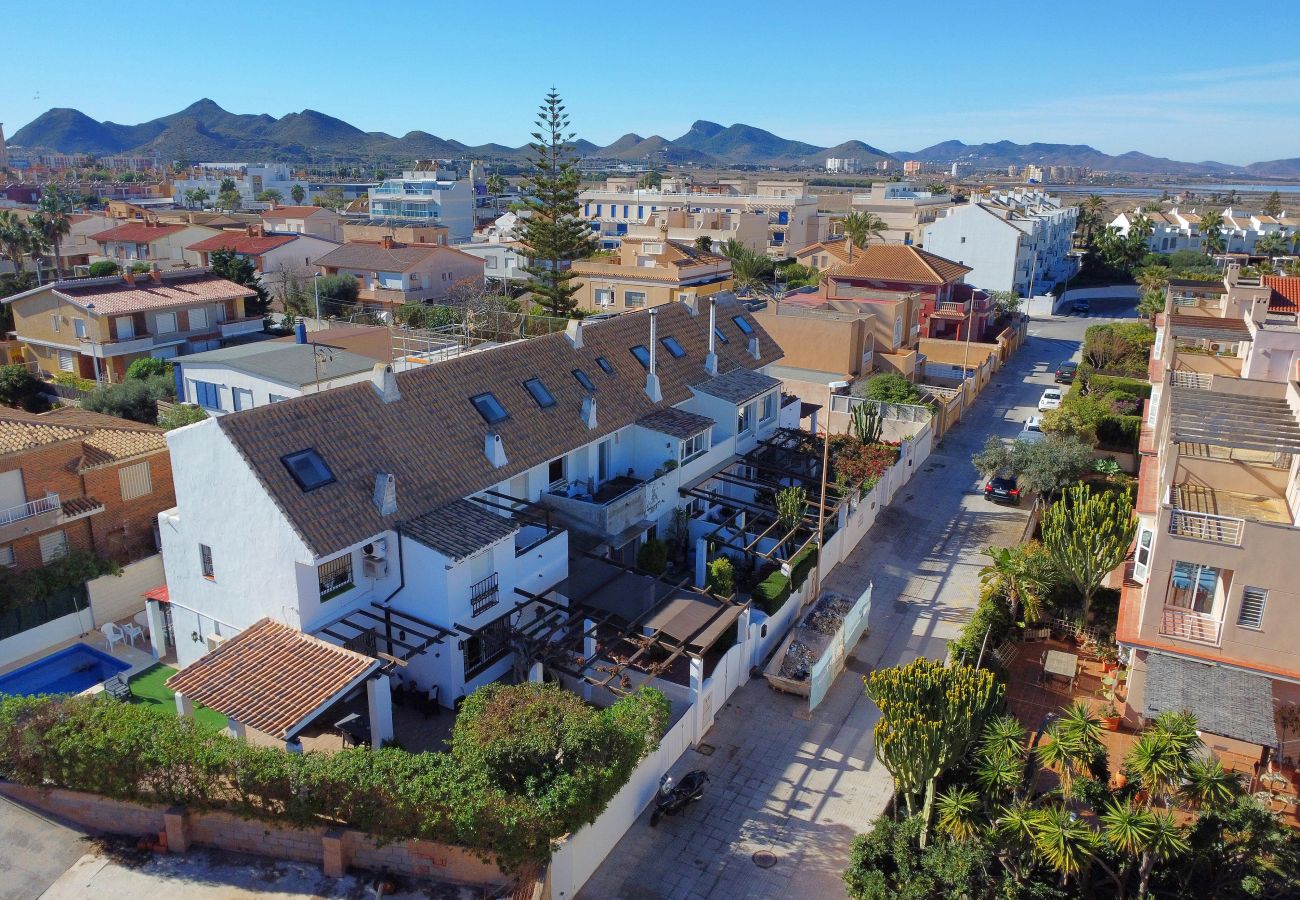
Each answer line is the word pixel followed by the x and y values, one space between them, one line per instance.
pixel 1200 190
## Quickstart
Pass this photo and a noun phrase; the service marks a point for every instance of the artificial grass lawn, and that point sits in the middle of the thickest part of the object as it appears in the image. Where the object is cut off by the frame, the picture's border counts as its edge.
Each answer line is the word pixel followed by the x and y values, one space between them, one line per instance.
pixel 149 688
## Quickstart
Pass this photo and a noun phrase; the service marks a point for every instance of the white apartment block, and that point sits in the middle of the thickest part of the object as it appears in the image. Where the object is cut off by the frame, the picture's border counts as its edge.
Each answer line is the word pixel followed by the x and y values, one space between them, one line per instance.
pixel 426 196
pixel 1017 241
pixel 250 180
pixel 850 165
pixel 904 207
pixel 1179 230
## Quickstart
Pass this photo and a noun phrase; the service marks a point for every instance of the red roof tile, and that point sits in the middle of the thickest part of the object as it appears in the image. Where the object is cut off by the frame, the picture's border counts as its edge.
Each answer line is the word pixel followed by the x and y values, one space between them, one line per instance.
pixel 1286 292
pixel 175 289
pixel 137 232
pixel 242 243
pixel 899 262
pixel 292 212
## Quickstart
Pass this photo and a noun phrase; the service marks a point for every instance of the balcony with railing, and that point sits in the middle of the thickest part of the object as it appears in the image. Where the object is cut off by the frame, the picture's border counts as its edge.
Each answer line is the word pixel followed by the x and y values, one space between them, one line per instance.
pixel 30 517
pixel 245 325
pixel 610 509
pixel 1187 625
pixel 953 310
pixel 484 595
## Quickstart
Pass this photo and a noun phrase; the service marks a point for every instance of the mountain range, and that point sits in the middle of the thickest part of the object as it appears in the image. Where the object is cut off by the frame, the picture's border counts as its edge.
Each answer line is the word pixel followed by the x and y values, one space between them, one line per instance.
pixel 205 131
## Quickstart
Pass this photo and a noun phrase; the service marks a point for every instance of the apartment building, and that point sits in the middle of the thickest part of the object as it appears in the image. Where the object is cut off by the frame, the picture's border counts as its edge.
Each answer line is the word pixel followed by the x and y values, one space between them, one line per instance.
pixel 1176 229
pixel 904 207
pixel 150 241
pixel 316 221
pixel 1208 613
pixel 96 327
pixel 1018 241
pixel 427 515
pixel 790 211
pixel 426 195
pixel 78 481
pixel 250 179
pixel 392 273
pixel 746 228
pixel 649 272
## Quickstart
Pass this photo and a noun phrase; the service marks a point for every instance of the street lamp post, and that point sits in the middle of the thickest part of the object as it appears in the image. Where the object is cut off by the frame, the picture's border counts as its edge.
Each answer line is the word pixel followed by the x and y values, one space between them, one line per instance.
pixel 315 283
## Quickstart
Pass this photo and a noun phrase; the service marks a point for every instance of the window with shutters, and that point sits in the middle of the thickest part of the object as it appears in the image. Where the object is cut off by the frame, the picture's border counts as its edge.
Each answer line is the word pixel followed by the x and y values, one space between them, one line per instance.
pixel 136 480
pixel 65 361
pixel 53 546
pixel 1251 614
pixel 205 561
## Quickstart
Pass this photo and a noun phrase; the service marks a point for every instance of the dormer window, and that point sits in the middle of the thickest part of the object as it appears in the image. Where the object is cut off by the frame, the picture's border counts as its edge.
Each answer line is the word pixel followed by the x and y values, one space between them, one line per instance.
pixel 672 346
pixel 490 408
pixel 539 392
pixel 585 380
pixel 744 326
pixel 642 354
pixel 308 469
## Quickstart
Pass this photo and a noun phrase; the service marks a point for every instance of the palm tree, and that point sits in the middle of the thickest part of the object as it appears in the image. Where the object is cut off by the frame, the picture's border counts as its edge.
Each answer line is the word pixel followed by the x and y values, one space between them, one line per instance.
pixel 1075 743
pixel 496 185
pixel 1272 245
pixel 1209 785
pixel 1014 829
pixel 298 193
pixel 1212 230
pixel 860 228
pixel 51 221
pixel 1020 575
pixel 1090 215
pixel 1129 830
pixel 15 237
pixel 1163 755
pixel 1154 279
pixel 201 196
pixel 1063 841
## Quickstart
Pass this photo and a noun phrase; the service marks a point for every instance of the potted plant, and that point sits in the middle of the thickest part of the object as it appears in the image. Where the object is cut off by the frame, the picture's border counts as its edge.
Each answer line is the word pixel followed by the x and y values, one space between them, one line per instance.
pixel 1110 682
pixel 1108 654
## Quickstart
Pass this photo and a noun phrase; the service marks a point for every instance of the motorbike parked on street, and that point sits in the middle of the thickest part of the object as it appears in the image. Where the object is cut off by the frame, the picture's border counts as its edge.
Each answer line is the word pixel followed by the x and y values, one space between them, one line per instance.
pixel 673 797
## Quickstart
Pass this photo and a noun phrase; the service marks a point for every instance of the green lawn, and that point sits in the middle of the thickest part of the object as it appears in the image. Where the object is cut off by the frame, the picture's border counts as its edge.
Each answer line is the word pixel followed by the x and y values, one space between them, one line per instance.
pixel 149 688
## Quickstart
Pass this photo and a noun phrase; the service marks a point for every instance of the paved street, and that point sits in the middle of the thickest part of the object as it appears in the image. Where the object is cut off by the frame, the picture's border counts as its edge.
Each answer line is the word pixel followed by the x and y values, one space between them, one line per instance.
pixel 803 789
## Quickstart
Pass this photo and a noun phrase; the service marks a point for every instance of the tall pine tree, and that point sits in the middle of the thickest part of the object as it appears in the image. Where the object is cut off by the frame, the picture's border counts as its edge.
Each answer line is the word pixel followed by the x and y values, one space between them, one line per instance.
pixel 554 235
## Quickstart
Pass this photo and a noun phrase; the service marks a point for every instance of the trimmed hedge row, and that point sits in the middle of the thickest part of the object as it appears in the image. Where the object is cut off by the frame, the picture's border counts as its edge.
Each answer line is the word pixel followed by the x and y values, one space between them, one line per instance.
pixel 771 593
pixel 528 763
pixel 1104 384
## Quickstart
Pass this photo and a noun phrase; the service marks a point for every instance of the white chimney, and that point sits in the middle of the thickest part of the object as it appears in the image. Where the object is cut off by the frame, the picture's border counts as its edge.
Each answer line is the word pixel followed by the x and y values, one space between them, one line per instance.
pixel 652 378
pixel 589 412
pixel 711 361
pixel 573 331
pixel 385 382
pixel 753 347
pixel 385 496
pixel 494 450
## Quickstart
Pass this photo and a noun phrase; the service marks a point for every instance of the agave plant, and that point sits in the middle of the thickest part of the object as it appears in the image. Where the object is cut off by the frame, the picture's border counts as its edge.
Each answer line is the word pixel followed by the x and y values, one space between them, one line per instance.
pixel 958 813
pixel 1063 841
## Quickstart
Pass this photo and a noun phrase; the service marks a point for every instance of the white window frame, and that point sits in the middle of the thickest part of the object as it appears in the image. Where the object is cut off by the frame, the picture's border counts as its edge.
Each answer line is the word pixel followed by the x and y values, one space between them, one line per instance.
pixel 764 415
pixel 67 361
pixel 54 545
pixel 634 304
pixel 125 327
pixel 1142 554
pixel 135 480
pixel 79 328
pixel 198 319
pixel 694 445
pixel 164 323
pixel 205 562
pixel 1260 600
pixel 7 556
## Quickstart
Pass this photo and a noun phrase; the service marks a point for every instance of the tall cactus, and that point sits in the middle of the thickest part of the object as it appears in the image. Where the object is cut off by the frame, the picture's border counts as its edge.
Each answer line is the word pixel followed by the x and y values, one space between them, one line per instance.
pixel 866 422
pixel 930 714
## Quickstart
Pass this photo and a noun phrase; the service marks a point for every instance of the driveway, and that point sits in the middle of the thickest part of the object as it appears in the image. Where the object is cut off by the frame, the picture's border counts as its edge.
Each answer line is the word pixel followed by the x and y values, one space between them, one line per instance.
pixel 801 788
pixel 34 851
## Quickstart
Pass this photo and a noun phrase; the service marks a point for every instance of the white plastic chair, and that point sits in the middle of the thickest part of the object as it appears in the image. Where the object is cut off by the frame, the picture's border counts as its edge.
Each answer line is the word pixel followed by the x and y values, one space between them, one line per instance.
pixel 132 632
pixel 112 634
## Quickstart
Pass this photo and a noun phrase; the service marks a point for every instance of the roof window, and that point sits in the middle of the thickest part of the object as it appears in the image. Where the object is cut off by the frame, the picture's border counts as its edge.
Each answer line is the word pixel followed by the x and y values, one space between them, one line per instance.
pixel 605 365
pixel 722 338
pixel 308 469
pixel 743 325
pixel 672 346
pixel 539 392
pixel 642 354
pixel 585 380
pixel 489 407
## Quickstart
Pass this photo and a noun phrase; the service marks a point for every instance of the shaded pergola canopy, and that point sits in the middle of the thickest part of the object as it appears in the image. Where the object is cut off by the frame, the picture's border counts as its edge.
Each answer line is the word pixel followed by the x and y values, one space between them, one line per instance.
pixel 1233 420
pixel 1225 701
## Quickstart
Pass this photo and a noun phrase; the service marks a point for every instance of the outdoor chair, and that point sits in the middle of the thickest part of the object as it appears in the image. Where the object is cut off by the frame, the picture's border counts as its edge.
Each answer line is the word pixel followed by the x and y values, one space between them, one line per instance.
pixel 117 688
pixel 112 634
pixel 131 632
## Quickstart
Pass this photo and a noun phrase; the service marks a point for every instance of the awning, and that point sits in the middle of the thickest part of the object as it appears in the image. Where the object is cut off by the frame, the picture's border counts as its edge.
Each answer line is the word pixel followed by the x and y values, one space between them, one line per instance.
pixel 693 620
pixel 1225 701
pixel 273 678
pixel 159 593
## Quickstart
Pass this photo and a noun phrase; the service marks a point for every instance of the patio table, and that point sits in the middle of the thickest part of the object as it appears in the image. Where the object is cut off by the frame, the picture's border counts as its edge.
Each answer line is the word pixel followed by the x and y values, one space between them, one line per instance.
pixel 1058 662
pixel 142 619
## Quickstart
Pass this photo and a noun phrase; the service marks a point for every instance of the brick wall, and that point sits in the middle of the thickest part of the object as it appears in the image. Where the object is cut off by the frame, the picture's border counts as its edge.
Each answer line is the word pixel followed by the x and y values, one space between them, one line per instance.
pixel 334 848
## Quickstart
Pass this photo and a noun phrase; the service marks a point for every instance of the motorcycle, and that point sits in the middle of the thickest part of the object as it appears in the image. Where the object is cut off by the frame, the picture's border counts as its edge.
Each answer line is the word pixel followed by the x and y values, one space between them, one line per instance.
pixel 673 797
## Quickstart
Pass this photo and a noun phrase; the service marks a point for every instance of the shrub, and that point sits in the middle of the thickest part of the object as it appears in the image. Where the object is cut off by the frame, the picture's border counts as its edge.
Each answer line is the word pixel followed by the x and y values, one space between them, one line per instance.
pixel 68 379
pixel 135 399
pixel 103 267
pixel 528 763
pixel 180 415
pixel 771 593
pixel 992 617
pixel 652 557
pixel 887 864
pixel 1105 384
pixel 1119 348
pixel 19 387
pixel 722 578
pixel 891 388
pixel 147 367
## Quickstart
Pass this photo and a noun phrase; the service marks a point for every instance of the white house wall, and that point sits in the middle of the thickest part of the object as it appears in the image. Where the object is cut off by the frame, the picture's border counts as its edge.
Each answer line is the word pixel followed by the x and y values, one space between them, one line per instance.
pixel 253 550
pixel 227 380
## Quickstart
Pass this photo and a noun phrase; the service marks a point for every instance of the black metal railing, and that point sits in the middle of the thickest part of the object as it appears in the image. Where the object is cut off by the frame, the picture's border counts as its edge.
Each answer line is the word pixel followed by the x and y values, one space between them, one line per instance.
pixel 484 595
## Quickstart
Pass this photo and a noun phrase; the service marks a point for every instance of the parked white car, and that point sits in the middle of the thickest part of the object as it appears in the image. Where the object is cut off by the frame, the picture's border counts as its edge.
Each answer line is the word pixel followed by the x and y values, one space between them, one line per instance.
pixel 1051 399
pixel 1034 423
pixel 1031 437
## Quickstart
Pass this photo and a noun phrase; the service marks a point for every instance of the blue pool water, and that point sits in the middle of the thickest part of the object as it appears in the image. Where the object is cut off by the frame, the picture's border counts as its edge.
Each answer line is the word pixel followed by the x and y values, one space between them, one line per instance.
pixel 70 671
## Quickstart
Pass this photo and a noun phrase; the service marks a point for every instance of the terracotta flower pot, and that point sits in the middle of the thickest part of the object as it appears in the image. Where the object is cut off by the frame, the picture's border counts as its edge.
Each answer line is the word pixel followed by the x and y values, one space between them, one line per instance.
pixel 1109 666
pixel 1110 723
pixel 1119 780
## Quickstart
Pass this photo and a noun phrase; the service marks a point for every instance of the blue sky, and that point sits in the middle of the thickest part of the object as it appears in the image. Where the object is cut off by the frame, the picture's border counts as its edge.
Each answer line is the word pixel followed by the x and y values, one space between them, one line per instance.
pixel 1191 81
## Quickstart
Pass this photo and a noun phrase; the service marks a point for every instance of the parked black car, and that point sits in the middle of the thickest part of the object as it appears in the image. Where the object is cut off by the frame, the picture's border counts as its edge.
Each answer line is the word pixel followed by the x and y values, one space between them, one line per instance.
pixel 1066 371
pixel 1081 306
pixel 1002 490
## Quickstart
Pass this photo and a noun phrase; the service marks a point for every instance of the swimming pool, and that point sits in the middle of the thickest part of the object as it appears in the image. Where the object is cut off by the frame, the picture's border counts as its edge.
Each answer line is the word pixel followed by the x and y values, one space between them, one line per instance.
pixel 70 671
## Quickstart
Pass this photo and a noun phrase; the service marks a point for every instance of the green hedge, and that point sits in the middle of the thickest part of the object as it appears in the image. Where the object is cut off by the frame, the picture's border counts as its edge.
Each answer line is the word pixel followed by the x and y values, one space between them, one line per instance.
pixel 771 593
pixel 1135 387
pixel 1120 432
pixel 991 616
pixel 528 764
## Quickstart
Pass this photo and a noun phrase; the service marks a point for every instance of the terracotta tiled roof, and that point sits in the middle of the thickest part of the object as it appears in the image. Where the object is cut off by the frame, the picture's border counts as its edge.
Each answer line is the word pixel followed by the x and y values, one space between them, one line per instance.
pixel 271 677
pixel 292 212
pixel 104 439
pixel 899 262
pixel 839 249
pixel 1286 292
pixel 460 529
pixel 432 439
pixel 16 436
pixel 137 232
pixel 176 289
pixel 242 242
pixel 678 423
pixel 372 256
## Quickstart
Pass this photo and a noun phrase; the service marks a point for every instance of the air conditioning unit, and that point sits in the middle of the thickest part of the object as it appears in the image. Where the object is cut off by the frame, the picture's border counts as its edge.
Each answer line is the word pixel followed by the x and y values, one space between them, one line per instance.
pixel 375 568
pixel 215 641
pixel 377 550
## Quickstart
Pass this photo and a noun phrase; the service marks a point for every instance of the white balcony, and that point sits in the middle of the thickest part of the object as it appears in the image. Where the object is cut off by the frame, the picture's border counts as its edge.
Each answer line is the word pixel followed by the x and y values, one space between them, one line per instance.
pixel 1186 625
pixel 48 503
pixel 30 518
pixel 1206 527
pixel 247 325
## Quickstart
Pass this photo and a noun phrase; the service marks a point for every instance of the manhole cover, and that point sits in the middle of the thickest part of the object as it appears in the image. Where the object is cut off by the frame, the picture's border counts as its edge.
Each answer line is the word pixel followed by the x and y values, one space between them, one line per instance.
pixel 705 749
pixel 764 859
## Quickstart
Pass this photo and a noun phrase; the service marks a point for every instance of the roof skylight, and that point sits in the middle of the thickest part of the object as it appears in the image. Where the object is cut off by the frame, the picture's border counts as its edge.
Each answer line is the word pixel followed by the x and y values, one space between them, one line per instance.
pixel 673 346
pixel 308 469
pixel 539 392
pixel 642 354
pixel 743 325
pixel 605 365
pixel 584 379
pixel 489 407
